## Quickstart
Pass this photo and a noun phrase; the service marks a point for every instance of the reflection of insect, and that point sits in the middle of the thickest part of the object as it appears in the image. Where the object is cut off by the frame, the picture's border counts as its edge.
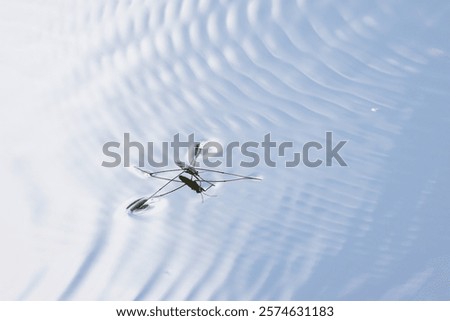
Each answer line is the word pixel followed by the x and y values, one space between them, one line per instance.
pixel 193 180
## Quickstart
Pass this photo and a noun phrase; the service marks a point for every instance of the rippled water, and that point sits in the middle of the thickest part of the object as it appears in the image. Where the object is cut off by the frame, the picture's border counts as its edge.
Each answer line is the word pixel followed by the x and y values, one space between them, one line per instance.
pixel 76 76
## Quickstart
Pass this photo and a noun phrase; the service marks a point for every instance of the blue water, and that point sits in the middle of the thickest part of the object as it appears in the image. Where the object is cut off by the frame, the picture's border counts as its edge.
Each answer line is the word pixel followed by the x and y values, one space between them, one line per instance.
pixel 375 74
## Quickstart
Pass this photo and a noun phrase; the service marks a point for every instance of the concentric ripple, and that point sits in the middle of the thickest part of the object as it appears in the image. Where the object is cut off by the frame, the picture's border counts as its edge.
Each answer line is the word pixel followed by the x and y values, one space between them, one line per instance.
pixel 233 71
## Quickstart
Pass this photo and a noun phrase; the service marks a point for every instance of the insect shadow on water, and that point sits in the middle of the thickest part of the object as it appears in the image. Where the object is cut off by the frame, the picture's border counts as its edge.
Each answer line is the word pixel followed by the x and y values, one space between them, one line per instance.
pixel 187 175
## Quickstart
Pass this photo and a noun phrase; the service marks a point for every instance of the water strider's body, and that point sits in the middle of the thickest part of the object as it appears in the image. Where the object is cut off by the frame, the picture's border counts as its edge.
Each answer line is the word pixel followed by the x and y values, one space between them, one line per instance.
pixel 194 182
